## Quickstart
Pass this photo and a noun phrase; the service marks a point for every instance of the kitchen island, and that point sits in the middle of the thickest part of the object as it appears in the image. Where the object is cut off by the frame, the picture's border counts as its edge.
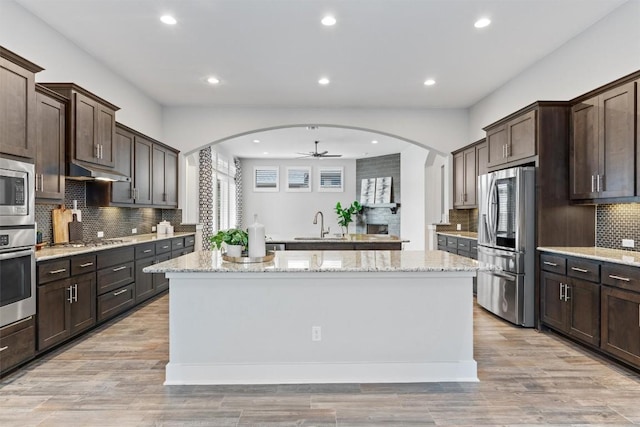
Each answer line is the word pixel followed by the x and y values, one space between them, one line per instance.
pixel 358 242
pixel 321 317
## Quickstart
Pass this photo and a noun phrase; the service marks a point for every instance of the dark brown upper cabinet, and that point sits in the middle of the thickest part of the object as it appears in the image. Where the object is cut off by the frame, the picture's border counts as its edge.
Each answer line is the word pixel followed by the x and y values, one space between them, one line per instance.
pixel 465 177
pixel 50 145
pixel 17 105
pixel 513 140
pixel 602 163
pixel 165 177
pixel 91 125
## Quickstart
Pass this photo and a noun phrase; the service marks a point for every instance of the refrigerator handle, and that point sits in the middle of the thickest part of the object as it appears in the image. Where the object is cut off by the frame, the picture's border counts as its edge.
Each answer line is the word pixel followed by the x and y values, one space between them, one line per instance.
pixel 491 210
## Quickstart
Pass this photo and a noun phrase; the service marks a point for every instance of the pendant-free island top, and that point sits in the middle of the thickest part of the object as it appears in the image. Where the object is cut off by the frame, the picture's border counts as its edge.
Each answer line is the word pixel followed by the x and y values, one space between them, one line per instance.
pixel 321 317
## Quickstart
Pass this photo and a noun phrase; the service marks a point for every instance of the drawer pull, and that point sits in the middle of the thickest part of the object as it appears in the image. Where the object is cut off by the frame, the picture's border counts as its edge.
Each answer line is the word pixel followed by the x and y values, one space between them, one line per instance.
pixel 4 348
pixel 552 264
pixel 581 270
pixel 147 251
pixel 62 270
pixel 119 268
pixel 613 276
pixel 86 264
pixel 115 294
pixel 165 247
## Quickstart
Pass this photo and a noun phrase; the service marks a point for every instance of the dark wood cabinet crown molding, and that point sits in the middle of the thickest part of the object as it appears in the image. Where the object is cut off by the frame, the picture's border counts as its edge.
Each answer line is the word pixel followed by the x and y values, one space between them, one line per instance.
pixel 19 60
pixel 66 88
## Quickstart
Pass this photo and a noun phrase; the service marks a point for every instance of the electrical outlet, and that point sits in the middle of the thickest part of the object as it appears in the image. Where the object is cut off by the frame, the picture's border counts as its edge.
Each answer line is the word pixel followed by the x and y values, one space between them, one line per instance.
pixel 100 233
pixel 134 231
pixel 628 243
pixel 316 333
pixel 458 227
pixel 153 228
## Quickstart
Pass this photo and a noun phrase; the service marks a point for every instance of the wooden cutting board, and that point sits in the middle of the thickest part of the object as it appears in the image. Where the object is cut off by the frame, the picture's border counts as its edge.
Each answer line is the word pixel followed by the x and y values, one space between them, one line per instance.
pixel 75 229
pixel 60 219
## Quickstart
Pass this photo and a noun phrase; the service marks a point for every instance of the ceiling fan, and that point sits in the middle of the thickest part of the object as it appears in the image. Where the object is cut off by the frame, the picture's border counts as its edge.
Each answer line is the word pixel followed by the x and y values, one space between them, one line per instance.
pixel 318 155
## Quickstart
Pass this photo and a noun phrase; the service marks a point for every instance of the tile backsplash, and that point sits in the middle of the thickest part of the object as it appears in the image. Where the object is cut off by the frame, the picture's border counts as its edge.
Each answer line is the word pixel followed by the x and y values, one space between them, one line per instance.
pixel 114 222
pixel 467 218
pixel 617 222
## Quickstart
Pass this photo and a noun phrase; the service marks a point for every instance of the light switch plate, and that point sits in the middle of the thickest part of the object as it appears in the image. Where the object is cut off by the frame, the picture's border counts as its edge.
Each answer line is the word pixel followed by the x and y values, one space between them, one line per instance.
pixel 134 230
pixel 628 243
pixel 100 233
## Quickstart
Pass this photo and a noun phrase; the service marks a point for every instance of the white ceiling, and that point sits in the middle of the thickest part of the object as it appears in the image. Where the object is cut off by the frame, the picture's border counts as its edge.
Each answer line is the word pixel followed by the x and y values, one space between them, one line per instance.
pixel 272 52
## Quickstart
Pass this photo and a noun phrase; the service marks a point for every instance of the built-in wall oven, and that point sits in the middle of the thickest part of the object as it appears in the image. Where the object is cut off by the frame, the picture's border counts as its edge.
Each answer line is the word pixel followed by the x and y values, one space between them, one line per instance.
pixel 17 240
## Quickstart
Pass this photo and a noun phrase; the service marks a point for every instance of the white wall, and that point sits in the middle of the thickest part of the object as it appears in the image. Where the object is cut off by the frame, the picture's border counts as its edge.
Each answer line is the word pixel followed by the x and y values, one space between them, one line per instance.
pixel 412 210
pixel 289 214
pixel 608 50
pixel 29 37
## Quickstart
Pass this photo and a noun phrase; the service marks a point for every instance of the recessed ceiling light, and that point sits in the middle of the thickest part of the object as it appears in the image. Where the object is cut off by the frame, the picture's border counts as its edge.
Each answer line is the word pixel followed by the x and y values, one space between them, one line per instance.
pixel 168 19
pixel 324 81
pixel 257 141
pixel 312 127
pixel 482 22
pixel 374 141
pixel 429 82
pixel 328 21
pixel 265 152
pixel 213 80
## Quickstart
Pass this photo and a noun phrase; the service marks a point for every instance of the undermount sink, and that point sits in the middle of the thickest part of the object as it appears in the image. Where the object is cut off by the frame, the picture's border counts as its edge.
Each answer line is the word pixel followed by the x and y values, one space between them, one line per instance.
pixel 319 238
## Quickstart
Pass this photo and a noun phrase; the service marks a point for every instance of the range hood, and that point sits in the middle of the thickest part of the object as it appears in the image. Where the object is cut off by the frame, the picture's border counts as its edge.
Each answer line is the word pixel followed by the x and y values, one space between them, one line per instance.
pixel 81 171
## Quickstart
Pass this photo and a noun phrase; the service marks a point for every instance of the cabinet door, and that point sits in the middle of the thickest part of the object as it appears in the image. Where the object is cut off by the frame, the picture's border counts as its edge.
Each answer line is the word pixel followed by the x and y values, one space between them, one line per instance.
pixel 470 177
pixel 142 171
pixel 83 305
pixel 160 281
pixel 621 324
pixel 617 146
pixel 123 155
pixel 50 146
pixel 86 113
pixel 583 164
pixel 105 134
pixel 54 324
pixel 159 155
pixel 144 281
pixel 521 134
pixel 482 158
pixel 496 143
pixel 17 110
pixel 583 318
pixel 458 179
pixel 171 178
pixel 553 308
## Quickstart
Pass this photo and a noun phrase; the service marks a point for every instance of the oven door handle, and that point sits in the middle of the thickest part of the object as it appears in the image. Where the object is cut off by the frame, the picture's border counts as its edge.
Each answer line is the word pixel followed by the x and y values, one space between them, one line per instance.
pixel 16 254
pixel 503 275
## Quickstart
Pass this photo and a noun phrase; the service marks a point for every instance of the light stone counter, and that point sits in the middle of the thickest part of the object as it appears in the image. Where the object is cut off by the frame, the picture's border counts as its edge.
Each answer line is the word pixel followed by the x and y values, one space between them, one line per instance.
pixel 465 234
pixel 62 251
pixel 600 254
pixel 350 238
pixel 321 317
pixel 323 261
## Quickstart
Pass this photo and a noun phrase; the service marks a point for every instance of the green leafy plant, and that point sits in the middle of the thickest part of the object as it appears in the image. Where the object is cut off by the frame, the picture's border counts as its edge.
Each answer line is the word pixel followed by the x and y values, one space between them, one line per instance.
pixel 345 215
pixel 232 236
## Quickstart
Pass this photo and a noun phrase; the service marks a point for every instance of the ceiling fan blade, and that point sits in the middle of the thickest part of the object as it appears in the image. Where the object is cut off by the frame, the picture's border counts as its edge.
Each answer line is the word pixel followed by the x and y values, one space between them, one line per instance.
pixel 331 155
pixel 306 154
pixel 323 153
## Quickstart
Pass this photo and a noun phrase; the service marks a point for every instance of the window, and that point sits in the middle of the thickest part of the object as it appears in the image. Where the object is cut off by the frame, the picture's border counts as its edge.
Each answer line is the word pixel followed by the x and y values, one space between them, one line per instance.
pixel 330 179
pixel 224 193
pixel 266 178
pixel 299 178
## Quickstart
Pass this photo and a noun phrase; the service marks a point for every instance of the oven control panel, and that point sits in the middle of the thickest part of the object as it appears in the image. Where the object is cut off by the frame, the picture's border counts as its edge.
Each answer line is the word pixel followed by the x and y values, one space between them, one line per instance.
pixel 4 239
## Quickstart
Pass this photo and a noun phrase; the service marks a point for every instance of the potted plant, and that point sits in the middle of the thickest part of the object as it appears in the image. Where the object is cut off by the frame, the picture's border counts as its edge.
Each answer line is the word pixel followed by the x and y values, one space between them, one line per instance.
pixel 345 215
pixel 234 239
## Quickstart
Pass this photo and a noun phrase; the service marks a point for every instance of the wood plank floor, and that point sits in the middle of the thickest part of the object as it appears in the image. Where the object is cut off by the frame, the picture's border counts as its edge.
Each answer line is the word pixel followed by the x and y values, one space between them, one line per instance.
pixel 114 376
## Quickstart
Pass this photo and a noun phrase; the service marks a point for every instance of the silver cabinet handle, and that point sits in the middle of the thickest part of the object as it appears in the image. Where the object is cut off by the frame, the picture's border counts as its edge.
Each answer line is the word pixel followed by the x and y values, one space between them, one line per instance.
pixel 593 185
pixel 4 348
pixel 598 183
pixel 561 291
pixel 86 264
pixel 638 316
pixel 119 268
pixel 581 270
pixel 75 293
pixel 506 148
pixel 70 299
pixel 165 247
pixel 566 292
pixel 552 264
pixel 97 151
pixel 62 270
pixel 613 276
pixel 146 251
pixel 115 294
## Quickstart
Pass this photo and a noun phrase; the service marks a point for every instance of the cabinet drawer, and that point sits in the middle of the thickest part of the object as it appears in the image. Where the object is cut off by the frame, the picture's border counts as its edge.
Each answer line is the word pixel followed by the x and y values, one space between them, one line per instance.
pixel 115 302
pixel 145 251
pixel 553 263
pixel 583 269
pixel 115 257
pixel 17 343
pixel 163 246
pixel 442 240
pixel 452 242
pixel 53 270
pixel 115 277
pixel 177 244
pixel 83 264
pixel 464 245
pixel 621 276
pixel 189 241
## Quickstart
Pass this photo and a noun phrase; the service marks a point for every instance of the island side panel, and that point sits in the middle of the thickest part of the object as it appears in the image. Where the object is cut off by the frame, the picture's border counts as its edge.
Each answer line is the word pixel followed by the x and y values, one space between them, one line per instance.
pixel 251 328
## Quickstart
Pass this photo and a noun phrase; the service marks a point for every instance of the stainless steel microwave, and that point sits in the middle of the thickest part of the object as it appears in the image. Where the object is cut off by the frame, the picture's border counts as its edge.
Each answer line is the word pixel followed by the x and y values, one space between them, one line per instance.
pixel 17 193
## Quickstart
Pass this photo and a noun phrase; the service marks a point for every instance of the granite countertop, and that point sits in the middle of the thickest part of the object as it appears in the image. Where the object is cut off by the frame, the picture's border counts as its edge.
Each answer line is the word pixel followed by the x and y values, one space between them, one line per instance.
pixel 60 251
pixel 600 254
pixel 324 261
pixel 352 238
pixel 465 234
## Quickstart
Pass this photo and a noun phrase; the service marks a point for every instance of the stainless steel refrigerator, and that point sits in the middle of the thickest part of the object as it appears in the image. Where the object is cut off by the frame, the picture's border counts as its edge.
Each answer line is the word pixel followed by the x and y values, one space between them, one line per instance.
pixel 506 238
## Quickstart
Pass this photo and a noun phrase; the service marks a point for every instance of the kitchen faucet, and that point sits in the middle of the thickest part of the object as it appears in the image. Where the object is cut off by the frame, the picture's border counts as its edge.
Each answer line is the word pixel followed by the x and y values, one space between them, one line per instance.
pixel 315 221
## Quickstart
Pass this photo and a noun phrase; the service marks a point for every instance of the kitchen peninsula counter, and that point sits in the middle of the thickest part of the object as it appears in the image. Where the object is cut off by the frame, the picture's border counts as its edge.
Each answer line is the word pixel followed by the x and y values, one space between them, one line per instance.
pixel 321 317
pixel 339 243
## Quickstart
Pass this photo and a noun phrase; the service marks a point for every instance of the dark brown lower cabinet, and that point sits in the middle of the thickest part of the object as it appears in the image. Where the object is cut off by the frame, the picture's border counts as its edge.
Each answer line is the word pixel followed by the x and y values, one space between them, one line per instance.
pixel 144 281
pixel 17 343
pixel 83 306
pixel 115 302
pixel 621 324
pixel 160 281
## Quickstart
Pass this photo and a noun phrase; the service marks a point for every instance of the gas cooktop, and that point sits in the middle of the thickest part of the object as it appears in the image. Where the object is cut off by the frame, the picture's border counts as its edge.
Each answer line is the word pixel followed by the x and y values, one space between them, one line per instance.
pixel 87 243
